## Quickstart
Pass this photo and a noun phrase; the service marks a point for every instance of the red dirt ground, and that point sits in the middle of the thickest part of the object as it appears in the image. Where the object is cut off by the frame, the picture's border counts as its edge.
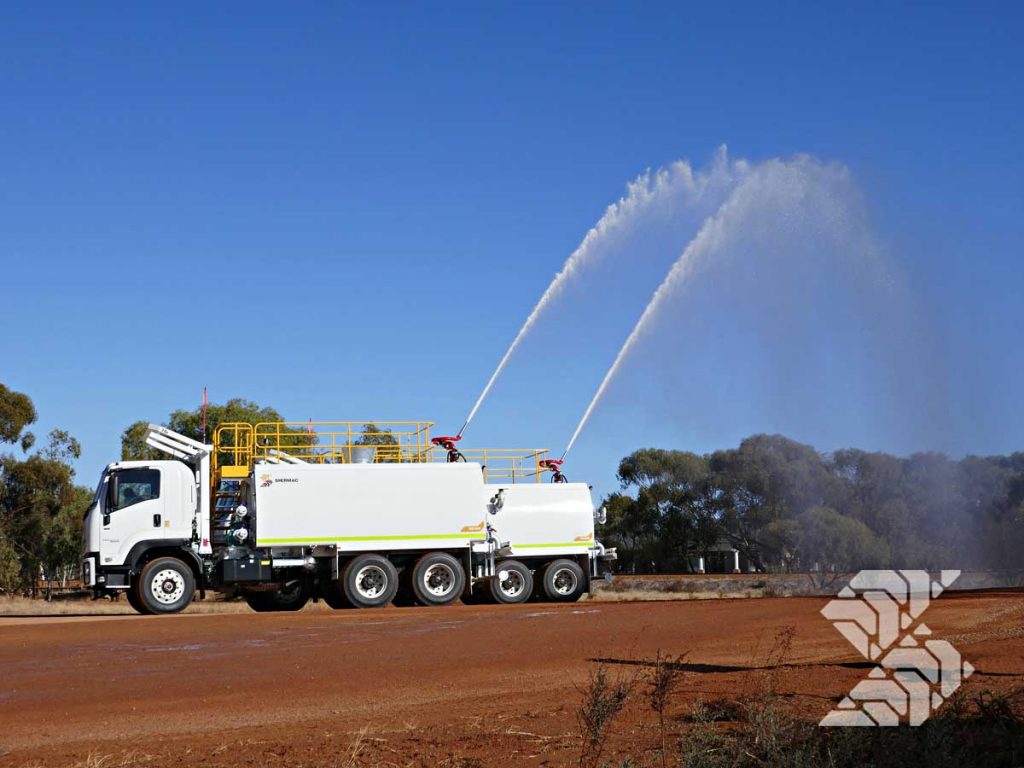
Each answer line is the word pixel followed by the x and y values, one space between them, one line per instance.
pixel 458 686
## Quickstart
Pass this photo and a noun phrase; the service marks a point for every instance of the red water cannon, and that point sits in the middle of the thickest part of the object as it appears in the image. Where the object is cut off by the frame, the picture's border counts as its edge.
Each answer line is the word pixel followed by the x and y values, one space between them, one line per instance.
pixel 448 443
pixel 553 466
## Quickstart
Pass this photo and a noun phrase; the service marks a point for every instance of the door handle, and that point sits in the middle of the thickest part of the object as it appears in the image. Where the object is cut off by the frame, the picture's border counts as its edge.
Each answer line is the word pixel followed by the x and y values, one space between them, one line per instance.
pixel 156 521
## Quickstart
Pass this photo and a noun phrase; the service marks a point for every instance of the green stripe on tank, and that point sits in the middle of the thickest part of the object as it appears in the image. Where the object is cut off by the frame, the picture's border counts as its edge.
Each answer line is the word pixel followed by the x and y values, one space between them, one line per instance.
pixel 331 539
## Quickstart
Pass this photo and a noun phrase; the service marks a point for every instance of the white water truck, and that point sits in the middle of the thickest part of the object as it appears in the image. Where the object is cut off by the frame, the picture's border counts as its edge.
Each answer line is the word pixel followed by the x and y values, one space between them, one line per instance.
pixel 356 514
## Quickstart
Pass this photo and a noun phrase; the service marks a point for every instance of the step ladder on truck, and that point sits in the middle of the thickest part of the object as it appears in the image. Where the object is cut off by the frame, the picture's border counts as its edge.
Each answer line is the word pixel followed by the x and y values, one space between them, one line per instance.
pixel 284 512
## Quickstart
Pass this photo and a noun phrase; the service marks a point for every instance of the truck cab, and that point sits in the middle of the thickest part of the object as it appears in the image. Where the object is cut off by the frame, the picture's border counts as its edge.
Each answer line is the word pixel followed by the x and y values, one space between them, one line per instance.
pixel 139 507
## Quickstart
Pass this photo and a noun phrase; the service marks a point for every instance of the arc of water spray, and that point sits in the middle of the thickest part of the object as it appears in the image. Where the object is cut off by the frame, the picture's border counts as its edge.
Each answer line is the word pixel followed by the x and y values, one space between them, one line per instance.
pixel 708 236
pixel 639 192
pixel 645 190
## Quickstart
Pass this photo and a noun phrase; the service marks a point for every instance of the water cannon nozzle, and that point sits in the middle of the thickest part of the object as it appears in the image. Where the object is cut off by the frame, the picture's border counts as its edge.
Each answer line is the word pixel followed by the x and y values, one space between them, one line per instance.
pixel 448 443
pixel 553 466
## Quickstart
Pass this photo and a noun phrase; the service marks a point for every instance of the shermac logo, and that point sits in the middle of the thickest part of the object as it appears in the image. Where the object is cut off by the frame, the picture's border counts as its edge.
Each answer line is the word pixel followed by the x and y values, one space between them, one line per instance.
pixel 879 613
pixel 269 481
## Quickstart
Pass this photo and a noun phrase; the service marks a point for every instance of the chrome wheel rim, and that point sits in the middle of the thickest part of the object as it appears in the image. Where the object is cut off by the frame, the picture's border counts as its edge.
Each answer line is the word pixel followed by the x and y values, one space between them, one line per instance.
pixel 167 586
pixel 512 584
pixel 564 581
pixel 371 581
pixel 439 579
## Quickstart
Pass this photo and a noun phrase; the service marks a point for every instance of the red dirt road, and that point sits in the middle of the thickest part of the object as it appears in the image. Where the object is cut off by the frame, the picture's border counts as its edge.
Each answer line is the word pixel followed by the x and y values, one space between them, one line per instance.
pixel 417 686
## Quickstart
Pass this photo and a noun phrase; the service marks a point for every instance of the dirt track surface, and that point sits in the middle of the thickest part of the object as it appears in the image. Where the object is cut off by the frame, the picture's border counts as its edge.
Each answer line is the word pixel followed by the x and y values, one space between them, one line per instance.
pixel 419 686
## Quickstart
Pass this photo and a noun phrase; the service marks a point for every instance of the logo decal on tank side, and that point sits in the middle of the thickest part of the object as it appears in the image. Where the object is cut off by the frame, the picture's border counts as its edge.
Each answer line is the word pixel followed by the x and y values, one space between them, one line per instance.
pixel 269 481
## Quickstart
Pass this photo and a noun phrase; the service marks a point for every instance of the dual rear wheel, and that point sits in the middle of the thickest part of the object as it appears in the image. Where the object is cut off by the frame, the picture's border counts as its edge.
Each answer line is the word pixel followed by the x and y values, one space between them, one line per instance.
pixel 563 581
pixel 372 581
pixel 560 581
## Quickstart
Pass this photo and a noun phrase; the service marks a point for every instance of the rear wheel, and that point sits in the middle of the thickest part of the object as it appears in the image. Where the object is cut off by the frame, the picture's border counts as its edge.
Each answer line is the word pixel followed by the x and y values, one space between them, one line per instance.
pixel 563 581
pixel 166 585
pixel 438 579
pixel 292 596
pixel 369 581
pixel 512 584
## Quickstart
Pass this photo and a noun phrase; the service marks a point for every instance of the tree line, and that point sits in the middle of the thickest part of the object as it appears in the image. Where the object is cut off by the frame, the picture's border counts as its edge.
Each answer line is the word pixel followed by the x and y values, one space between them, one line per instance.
pixel 41 506
pixel 788 507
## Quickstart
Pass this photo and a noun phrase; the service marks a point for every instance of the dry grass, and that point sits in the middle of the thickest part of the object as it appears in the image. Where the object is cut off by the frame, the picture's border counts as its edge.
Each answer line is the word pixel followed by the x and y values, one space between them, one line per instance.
pixel 646 595
pixel 24 606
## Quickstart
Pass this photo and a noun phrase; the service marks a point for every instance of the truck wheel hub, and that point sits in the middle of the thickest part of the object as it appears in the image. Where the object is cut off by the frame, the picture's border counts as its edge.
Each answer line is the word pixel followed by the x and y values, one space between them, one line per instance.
pixel 371 581
pixel 564 581
pixel 167 586
pixel 512 583
pixel 439 579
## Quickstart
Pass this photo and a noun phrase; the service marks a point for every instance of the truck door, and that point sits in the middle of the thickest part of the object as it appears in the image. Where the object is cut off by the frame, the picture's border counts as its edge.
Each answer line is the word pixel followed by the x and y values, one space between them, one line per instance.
pixel 134 512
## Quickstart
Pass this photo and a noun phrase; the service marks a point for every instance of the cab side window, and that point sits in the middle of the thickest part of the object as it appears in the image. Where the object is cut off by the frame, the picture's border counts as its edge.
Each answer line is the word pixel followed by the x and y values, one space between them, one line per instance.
pixel 137 485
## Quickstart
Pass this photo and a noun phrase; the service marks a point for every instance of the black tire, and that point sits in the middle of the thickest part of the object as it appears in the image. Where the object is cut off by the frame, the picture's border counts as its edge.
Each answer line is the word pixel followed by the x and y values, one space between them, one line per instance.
pixel 330 593
pixel 438 579
pixel 287 597
pixel 563 581
pixel 516 587
pixel 166 585
pixel 369 581
pixel 134 600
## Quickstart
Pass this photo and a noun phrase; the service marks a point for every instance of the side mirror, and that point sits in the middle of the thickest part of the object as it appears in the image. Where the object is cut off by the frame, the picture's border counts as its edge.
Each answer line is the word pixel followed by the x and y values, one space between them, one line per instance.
pixel 601 516
pixel 112 488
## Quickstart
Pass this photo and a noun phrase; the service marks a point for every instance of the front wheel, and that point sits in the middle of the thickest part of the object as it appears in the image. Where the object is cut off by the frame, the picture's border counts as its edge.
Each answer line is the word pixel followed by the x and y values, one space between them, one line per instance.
pixel 369 581
pixel 166 585
pixel 512 584
pixel 563 581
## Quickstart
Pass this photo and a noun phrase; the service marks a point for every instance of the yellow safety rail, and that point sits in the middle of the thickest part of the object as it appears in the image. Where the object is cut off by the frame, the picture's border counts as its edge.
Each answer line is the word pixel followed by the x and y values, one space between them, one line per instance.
pixel 238 445
pixel 512 465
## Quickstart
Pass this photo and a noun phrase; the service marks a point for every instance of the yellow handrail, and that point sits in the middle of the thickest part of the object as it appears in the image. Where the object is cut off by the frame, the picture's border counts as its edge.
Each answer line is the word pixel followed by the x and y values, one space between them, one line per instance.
pixel 240 445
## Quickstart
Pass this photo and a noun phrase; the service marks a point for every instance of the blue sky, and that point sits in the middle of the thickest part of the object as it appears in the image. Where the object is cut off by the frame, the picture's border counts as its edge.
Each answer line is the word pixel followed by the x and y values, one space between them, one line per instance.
pixel 347 211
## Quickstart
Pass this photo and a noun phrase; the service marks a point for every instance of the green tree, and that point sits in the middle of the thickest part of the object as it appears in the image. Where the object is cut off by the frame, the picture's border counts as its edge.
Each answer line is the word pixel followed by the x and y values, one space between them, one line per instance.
pixel 16 413
pixel 10 566
pixel 830 541
pixel 387 445
pixel 39 507
pixel 674 514
pixel 190 423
